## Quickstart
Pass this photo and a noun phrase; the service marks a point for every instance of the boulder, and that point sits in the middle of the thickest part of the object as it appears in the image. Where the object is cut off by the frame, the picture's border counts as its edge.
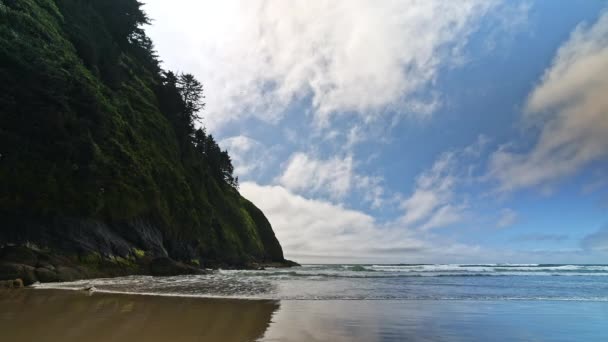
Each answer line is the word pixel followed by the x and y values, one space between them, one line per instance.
pixel 169 267
pixel 19 255
pixel 68 273
pixel 10 271
pixel 46 275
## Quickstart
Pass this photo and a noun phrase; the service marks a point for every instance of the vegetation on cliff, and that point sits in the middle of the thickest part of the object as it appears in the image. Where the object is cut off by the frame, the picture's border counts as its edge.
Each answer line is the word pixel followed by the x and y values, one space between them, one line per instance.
pixel 95 136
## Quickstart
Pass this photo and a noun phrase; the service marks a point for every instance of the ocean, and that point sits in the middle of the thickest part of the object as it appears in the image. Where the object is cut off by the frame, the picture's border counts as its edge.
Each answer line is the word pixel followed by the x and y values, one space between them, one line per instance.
pixel 485 302
pixel 532 282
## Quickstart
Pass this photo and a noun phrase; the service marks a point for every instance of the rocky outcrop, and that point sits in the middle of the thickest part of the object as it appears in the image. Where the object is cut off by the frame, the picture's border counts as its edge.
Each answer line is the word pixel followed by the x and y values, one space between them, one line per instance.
pixel 66 249
pixel 80 237
pixel 26 265
pixel 101 172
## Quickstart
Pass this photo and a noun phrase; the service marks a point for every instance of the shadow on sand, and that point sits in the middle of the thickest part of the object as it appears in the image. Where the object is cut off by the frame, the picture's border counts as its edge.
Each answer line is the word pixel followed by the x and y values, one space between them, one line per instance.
pixel 54 315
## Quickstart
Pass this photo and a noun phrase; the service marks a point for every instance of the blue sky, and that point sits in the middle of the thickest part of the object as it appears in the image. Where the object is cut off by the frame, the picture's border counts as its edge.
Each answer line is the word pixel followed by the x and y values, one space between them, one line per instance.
pixel 404 131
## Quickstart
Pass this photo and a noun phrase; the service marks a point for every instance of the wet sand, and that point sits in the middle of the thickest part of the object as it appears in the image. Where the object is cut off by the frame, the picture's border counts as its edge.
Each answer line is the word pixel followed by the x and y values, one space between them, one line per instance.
pixel 59 315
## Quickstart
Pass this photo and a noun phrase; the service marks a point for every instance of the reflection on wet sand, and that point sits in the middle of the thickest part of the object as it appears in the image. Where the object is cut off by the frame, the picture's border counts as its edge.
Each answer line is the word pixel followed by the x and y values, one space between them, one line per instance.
pixel 434 320
pixel 54 315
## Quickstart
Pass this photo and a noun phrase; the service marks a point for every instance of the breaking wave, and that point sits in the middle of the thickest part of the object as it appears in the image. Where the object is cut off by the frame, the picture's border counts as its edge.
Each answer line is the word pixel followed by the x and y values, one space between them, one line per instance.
pixel 372 282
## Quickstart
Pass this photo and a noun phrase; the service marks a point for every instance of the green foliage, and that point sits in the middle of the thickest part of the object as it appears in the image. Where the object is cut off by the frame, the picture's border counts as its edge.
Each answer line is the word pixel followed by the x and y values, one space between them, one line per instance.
pixel 139 253
pixel 90 126
pixel 91 259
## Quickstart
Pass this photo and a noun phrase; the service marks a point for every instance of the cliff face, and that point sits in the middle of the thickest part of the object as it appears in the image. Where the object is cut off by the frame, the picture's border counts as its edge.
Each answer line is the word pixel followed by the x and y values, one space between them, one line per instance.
pixel 94 165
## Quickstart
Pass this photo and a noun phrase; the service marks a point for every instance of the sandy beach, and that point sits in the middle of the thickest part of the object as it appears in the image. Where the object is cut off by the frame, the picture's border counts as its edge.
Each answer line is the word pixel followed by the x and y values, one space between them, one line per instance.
pixel 59 315
pixel 62 315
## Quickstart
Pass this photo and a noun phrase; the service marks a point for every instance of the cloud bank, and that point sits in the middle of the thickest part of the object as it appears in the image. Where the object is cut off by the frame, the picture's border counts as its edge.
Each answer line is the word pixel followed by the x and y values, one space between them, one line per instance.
pixel 363 57
pixel 353 69
pixel 570 109
pixel 597 241
pixel 316 230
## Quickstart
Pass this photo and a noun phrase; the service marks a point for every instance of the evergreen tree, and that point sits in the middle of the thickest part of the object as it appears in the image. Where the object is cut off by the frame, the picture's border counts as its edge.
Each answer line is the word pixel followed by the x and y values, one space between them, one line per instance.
pixel 200 141
pixel 192 94
pixel 124 18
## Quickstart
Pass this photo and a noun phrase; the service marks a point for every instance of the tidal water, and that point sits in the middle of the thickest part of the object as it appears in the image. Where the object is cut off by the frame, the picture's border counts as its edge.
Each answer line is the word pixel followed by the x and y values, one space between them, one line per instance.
pixel 487 302
pixel 375 282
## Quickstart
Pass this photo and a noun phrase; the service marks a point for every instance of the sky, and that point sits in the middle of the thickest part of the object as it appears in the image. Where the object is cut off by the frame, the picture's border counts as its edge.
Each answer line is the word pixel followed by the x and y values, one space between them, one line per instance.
pixel 408 131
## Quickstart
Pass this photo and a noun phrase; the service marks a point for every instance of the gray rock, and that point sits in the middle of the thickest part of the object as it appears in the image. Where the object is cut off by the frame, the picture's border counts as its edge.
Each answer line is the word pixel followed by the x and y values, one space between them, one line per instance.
pixel 10 271
pixel 46 275
pixel 68 273
pixel 18 255
pixel 168 267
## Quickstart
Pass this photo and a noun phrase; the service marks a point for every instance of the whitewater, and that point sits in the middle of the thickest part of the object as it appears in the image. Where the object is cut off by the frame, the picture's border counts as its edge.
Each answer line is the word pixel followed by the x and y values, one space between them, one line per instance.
pixel 533 282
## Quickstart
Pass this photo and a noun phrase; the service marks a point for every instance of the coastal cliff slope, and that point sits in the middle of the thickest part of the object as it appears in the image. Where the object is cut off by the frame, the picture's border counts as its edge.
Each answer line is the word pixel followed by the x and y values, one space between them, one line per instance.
pixel 103 170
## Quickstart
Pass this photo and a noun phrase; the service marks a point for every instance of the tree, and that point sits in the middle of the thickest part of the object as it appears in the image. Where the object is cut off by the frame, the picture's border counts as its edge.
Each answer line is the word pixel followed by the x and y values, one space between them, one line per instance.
pixel 192 94
pixel 181 99
pixel 200 141
pixel 124 18
pixel 226 169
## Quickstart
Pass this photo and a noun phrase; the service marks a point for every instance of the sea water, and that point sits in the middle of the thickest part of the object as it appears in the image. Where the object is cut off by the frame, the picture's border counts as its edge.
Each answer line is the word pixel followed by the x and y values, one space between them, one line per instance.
pixel 532 282
pixel 450 302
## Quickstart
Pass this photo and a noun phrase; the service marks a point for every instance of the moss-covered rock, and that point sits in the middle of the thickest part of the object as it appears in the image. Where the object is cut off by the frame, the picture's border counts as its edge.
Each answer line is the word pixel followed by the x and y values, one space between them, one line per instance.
pixel 18 255
pixel 46 275
pixel 93 166
pixel 168 267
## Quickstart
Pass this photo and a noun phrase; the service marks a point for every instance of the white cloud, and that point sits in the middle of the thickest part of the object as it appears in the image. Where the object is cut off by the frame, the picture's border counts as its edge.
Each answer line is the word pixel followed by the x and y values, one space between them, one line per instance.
pixel 372 189
pixel 304 173
pixel 364 57
pixel 437 200
pixel 314 230
pixel 430 206
pixel 507 218
pixel 570 109
pixel 248 155
pixel 333 178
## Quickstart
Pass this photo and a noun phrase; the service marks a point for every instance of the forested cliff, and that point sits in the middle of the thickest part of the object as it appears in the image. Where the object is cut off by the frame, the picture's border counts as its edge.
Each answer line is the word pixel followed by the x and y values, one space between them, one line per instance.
pixel 102 168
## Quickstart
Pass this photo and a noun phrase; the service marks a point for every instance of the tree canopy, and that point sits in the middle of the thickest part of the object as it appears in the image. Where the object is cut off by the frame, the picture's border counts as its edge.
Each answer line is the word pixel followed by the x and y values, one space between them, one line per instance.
pixel 92 128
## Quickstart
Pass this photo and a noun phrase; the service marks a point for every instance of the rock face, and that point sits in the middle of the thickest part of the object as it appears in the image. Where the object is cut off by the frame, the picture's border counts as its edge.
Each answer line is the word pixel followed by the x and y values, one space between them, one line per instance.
pixel 168 267
pixel 23 265
pixel 68 249
pixel 98 175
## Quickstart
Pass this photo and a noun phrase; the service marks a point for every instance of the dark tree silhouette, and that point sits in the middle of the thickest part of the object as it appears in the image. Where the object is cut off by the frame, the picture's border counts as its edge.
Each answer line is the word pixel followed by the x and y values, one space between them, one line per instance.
pixel 181 100
pixel 192 94
pixel 200 140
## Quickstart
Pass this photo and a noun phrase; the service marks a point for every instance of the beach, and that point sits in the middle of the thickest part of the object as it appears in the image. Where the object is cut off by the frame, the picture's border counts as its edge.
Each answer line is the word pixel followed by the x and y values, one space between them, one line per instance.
pixel 68 315
pixel 60 315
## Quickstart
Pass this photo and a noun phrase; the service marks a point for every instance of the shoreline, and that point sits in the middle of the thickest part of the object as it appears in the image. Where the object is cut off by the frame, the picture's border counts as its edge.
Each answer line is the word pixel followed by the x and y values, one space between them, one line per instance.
pixel 67 315
pixel 70 315
pixel 144 294
pixel 95 291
